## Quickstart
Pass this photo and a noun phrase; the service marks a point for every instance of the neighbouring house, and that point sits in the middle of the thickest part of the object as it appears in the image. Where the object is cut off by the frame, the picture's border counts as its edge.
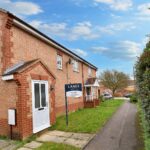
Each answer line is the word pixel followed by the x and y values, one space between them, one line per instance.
pixel 121 92
pixel 131 88
pixel 34 69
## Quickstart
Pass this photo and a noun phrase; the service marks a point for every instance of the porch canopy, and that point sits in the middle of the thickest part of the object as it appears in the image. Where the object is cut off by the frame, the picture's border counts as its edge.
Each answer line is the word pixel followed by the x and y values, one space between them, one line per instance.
pixel 91 89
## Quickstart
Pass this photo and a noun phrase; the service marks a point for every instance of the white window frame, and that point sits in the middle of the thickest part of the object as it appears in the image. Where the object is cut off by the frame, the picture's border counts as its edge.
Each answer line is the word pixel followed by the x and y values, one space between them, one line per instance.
pixel 59 62
pixel 89 71
pixel 75 66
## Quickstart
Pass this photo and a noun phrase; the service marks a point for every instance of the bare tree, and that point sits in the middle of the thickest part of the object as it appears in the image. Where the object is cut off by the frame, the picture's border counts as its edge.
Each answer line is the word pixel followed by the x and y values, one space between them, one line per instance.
pixel 114 80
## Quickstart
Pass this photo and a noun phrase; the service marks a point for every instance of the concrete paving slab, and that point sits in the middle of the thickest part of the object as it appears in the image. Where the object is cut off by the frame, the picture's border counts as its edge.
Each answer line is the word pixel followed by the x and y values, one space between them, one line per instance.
pixel 82 136
pixel 33 144
pixel 75 142
pixel 10 147
pixel 60 133
pixel 24 148
pixel 48 138
pixel 3 143
pixel 70 138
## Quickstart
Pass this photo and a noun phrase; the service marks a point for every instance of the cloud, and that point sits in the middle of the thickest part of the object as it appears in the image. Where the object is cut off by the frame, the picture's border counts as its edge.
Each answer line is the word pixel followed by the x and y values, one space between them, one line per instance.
pixel 81 30
pixel 121 5
pixel 100 49
pixel 127 50
pixel 115 16
pixel 77 2
pixel 80 52
pixel 21 8
pixel 104 1
pixel 57 29
pixel 113 28
pixel 143 11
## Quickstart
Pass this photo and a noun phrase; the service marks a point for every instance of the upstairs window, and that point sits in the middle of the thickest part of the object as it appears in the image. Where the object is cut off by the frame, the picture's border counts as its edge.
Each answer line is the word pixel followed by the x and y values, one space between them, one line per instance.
pixel 75 65
pixel 89 71
pixel 59 62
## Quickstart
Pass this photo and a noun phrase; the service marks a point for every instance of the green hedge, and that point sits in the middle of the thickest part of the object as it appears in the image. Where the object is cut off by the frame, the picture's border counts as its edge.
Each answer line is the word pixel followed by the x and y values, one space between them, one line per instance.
pixel 134 98
pixel 143 84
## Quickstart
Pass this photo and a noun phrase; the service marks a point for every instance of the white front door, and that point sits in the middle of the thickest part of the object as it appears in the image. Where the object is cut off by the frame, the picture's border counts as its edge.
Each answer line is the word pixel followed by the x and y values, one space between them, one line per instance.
pixel 40 105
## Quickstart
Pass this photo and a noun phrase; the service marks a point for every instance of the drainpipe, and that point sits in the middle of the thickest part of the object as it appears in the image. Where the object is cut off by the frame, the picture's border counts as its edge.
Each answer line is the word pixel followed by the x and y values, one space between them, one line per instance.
pixel 83 83
pixel 67 63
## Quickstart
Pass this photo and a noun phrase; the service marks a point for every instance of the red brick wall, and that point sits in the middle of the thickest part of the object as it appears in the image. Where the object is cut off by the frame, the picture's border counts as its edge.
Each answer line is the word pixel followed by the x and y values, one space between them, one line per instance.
pixel 27 47
pixel 17 45
pixel 8 90
pixel 24 126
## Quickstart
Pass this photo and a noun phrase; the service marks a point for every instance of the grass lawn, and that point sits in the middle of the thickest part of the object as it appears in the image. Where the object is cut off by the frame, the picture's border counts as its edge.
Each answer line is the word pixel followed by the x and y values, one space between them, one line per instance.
pixel 88 120
pixel 56 146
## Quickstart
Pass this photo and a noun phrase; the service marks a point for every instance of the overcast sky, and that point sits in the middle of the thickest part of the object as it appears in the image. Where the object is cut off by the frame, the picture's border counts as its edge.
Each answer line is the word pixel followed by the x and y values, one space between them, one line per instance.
pixel 108 33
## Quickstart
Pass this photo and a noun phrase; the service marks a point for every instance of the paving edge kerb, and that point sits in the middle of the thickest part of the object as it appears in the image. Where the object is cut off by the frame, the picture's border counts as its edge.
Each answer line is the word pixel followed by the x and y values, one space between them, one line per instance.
pixel 89 141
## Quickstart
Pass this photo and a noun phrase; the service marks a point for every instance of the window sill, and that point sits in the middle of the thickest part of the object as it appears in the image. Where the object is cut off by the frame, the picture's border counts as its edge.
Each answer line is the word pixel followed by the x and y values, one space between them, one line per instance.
pixel 77 71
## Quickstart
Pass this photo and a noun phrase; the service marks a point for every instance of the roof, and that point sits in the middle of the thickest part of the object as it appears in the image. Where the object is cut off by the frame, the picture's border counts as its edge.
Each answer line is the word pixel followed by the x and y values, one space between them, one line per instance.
pixel 48 38
pixel 21 66
pixel 91 82
pixel 17 67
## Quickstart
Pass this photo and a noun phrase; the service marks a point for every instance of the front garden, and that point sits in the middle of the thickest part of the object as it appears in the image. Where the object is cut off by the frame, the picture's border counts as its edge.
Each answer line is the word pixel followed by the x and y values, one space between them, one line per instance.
pixel 89 120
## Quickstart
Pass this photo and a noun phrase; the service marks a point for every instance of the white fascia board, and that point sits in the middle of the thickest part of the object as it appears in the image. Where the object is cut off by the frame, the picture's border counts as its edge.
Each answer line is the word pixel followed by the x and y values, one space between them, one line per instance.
pixel 19 24
pixel 8 77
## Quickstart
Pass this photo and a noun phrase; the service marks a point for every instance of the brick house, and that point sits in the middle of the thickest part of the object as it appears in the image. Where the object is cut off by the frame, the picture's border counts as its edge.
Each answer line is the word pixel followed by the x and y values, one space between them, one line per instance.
pixel 34 70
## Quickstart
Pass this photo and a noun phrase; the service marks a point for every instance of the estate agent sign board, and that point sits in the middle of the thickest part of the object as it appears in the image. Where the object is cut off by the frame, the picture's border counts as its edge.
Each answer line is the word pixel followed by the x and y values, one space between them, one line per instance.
pixel 72 90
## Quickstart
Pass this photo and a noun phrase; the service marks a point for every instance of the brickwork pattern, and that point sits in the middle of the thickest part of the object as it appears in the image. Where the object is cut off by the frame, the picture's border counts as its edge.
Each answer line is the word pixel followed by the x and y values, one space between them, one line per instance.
pixel 17 45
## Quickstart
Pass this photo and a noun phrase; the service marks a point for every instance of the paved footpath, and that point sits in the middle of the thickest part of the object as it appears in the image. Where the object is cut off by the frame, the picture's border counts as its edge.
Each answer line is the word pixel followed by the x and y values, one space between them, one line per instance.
pixel 7 145
pixel 119 133
pixel 70 138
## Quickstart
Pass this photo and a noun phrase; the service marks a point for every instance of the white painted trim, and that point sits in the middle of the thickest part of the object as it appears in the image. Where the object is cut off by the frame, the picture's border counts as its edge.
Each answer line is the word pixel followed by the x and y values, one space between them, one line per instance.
pixel 96 84
pixel 24 27
pixel 8 77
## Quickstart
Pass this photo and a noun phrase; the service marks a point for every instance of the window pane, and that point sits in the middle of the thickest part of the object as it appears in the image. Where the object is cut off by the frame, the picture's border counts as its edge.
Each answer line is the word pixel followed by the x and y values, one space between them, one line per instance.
pixel 59 62
pixel 43 95
pixel 75 65
pixel 37 95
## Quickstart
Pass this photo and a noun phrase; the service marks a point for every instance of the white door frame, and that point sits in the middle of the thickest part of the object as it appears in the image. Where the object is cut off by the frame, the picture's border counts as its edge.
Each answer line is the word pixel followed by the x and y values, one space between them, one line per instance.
pixel 47 107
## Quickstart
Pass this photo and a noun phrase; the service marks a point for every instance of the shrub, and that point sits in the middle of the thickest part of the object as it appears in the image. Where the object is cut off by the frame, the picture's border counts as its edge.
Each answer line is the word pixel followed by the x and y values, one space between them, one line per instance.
pixel 134 98
pixel 101 98
pixel 143 83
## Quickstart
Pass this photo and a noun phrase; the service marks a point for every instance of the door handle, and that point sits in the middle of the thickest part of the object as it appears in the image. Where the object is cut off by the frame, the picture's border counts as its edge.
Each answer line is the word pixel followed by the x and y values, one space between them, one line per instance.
pixel 40 108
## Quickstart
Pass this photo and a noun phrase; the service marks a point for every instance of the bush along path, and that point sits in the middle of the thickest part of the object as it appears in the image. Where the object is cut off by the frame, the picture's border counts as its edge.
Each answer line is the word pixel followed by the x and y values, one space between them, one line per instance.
pixel 143 86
